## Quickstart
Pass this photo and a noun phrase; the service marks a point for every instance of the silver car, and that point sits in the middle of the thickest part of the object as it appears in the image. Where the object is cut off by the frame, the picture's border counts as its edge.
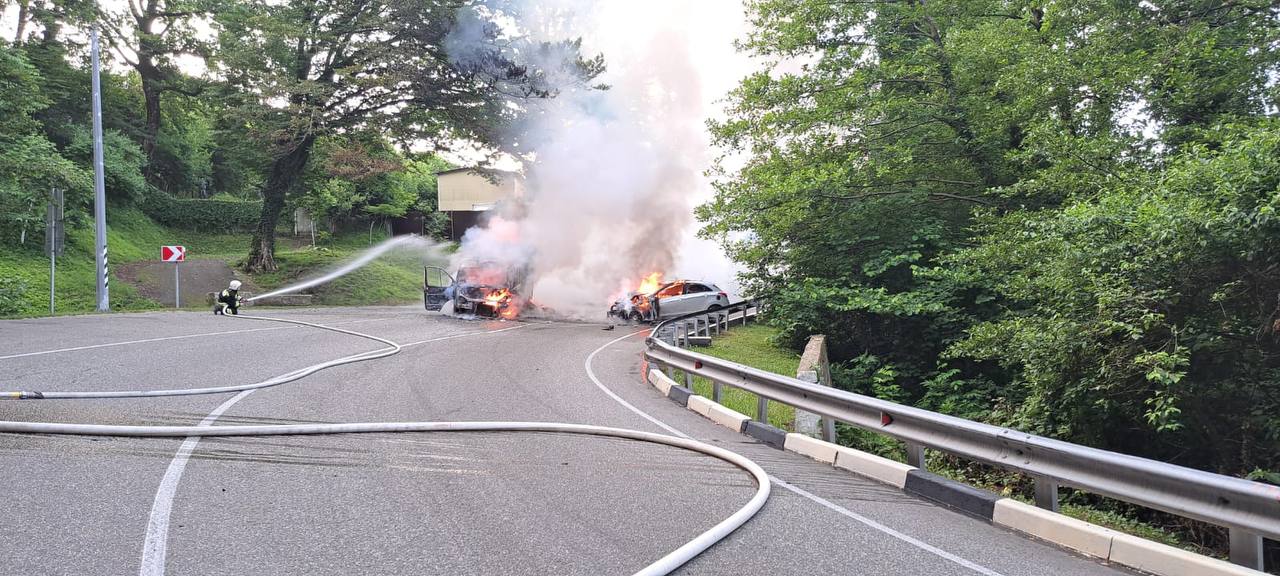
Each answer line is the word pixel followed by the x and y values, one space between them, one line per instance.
pixel 671 299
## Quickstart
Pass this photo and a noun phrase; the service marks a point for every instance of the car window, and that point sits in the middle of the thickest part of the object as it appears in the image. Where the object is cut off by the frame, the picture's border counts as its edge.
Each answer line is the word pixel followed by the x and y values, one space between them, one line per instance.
pixel 673 289
pixel 695 288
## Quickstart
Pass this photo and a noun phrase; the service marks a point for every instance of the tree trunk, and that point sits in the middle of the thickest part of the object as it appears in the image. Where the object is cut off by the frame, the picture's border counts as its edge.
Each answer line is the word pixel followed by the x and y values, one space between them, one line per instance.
pixel 22 21
pixel 151 100
pixel 284 175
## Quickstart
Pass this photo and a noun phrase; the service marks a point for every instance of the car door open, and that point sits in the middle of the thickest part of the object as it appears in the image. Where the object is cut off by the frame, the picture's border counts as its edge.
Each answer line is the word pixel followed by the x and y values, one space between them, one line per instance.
pixel 435 281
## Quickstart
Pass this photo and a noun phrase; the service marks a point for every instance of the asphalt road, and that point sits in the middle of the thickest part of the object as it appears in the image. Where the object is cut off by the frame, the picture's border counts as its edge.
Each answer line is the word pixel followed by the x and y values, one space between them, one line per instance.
pixel 433 503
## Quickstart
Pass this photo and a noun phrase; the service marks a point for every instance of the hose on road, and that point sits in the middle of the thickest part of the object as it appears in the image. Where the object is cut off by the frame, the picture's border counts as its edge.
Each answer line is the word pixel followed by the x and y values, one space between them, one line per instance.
pixel 392 348
pixel 662 566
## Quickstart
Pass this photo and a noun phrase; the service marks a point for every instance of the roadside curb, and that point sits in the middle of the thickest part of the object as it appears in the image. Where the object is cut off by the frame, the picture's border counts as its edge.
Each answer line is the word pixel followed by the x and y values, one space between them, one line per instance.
pixel 770 435
pixel 1076 535
pixel 963 497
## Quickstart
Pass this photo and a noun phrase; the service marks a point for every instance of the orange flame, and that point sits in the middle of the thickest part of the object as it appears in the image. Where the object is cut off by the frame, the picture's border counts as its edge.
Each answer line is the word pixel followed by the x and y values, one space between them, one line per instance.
pixel 503 304
pixel 650 284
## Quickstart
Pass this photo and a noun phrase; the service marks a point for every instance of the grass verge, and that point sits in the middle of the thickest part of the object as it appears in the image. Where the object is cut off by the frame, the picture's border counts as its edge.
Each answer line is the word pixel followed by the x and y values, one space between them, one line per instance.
pixel 132 237
pixel 750 345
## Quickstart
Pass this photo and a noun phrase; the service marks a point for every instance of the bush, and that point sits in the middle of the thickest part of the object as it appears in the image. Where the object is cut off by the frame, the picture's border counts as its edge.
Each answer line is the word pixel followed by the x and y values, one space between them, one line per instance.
pixel 13 294
pixel 204 215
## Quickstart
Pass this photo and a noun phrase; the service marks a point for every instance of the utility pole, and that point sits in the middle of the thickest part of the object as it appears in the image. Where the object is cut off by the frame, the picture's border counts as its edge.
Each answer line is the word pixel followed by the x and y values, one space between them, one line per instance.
pixel 99 187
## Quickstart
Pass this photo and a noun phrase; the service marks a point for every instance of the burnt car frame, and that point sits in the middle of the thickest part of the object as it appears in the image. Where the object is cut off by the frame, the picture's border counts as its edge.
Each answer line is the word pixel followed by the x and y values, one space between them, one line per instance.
pixel 671 299
pixel 484 289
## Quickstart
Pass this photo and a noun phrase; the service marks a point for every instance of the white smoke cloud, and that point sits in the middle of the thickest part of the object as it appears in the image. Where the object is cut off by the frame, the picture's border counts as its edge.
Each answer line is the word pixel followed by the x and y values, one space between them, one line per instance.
pixel 610 193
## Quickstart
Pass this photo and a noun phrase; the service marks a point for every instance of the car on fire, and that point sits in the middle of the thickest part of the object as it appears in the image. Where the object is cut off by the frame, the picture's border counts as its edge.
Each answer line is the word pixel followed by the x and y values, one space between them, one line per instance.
pixel 671 299
pixel 485 289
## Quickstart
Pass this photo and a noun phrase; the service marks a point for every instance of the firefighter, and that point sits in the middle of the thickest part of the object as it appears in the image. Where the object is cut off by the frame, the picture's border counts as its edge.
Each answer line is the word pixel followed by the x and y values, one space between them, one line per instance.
pixel 228 300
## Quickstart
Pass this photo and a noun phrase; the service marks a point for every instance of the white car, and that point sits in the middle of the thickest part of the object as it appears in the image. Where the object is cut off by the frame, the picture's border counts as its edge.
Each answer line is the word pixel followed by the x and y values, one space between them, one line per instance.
pixel 673 299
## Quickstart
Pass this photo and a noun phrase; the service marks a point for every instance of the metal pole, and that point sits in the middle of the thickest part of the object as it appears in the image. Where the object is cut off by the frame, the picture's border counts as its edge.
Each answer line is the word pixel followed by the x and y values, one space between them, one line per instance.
pixel 762 409
pixel 99 186
pixel 717 393
pixel 177 293
pixel 53 270
pixel 915 455
pixel 1046 493
pixel 1246 548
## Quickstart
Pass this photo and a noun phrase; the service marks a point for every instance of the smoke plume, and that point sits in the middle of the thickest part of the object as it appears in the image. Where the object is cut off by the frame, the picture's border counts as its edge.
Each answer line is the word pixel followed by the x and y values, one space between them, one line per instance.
pixel 612 174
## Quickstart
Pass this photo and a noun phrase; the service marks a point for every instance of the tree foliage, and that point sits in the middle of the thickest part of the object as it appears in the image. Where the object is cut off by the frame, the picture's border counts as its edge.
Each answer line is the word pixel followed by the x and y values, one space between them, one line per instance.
pixel 311 69
pixel 1054 216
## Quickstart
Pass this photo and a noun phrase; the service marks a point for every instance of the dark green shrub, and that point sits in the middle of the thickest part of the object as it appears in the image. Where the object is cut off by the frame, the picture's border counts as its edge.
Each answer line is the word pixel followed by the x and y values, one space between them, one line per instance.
pixel 205 215
pixel 13 293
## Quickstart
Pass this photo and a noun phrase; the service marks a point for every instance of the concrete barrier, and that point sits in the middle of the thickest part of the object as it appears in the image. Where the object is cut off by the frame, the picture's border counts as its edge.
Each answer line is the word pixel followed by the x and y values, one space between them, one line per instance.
pixel 727 418
pixel 1065 531
pixel 1163 560
pixel 962 497
pixel 873 467
pixel 660 381
pixel 770 435
pixel 681 395
pixel 811 447
pixel 700 404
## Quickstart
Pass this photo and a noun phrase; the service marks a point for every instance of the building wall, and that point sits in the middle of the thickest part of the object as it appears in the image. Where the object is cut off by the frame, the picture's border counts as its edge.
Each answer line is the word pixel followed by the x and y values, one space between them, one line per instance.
pixel 461 190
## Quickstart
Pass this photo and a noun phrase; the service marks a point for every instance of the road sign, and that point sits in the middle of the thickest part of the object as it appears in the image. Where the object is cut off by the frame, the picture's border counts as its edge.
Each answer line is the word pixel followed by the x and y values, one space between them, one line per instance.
pixel 54 231
pixel 173 253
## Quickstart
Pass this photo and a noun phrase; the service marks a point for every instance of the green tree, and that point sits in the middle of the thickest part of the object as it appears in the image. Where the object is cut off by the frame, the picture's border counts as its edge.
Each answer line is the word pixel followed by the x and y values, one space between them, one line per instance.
pixel 1151 308
pixel 327 67
pixel 907 133
pixel 30 165
pixel 148 36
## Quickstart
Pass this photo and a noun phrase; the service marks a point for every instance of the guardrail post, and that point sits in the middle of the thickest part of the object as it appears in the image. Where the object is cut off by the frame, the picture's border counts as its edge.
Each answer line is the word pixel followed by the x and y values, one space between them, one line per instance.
pixel 814 368
pixel 915 455
pixel 1246 548
pixel 1046 493
pixel 762 409
pixel 688 379
pixel 829 430
pixel 724 322
pixel 716 392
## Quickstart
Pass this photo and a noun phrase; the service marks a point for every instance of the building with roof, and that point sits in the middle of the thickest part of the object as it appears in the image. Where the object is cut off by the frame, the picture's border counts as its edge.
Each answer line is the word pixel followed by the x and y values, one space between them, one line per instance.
pixel 467 194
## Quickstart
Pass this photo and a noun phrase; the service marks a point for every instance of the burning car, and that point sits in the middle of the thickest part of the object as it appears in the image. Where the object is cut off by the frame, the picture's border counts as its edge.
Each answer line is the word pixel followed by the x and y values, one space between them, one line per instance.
pixel 485 289
pixel 671 299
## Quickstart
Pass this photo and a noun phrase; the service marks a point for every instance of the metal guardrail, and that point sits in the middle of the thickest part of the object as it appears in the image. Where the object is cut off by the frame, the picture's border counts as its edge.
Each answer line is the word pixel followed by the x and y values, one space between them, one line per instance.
pixel 1250 510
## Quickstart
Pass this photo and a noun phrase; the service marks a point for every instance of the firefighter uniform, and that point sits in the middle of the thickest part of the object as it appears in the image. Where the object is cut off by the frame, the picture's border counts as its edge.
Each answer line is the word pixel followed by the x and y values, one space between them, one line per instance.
pixel 228 301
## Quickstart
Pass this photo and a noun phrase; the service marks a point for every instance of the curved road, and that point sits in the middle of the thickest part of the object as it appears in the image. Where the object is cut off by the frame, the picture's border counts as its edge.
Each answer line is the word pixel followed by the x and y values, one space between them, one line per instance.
pixel 491 503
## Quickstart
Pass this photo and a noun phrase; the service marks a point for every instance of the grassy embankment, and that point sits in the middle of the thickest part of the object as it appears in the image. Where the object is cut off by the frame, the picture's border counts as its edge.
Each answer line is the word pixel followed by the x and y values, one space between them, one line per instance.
pixel 133 237
pixel 752 345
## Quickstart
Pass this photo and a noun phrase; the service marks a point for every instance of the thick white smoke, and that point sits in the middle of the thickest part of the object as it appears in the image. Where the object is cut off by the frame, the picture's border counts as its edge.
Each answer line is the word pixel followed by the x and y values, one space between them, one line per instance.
pixel 615 173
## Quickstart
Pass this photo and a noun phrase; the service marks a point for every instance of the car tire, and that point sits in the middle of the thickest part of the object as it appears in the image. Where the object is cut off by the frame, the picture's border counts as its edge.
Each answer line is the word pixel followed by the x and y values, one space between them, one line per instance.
pixel 714 307
pixel 636 317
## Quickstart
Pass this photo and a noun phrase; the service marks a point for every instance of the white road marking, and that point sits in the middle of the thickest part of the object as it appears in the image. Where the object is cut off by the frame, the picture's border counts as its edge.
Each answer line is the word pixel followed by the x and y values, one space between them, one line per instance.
pixel 157 539
pixel 155 545
pixel 162 339
pixel 793 489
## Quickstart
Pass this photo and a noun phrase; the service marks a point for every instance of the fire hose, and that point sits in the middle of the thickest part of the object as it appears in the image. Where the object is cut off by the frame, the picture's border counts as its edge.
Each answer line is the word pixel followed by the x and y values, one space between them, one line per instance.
pixel 662 566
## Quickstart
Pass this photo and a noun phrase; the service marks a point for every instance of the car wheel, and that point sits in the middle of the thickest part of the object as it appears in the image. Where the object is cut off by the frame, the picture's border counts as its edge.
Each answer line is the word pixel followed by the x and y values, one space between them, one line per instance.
pixel 714 307
pixel 636 316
